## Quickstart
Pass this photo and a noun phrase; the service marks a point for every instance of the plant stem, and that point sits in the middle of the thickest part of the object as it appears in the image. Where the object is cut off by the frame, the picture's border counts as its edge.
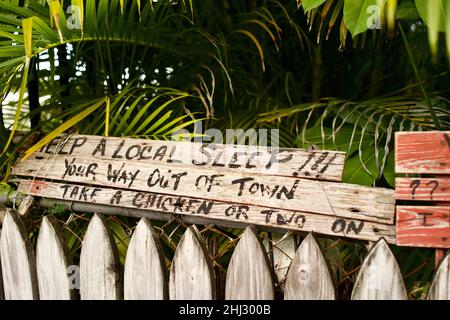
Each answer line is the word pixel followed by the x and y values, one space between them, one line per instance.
pixel 419 80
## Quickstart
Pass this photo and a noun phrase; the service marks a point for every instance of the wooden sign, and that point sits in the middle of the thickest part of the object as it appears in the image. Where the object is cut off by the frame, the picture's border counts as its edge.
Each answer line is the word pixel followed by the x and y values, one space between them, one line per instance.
pixel 346 200
pixel 423 226
pixel 213 210
pixel 296 163
pixel 426 189
pixel 422 152
pixel 284 188
pixel 427 154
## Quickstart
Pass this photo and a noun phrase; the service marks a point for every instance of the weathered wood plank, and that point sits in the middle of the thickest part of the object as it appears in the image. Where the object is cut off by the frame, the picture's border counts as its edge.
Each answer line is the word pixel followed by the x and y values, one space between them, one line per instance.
pixel 249 275
pixel 423 226
pixel 99 263
pixel 2 215
pixel 379 277
pixel 426 189
pixel 191 272
pixel 346 200
pixel 422 152
pixel 228 214
pixel 52 262
pixel 25 206
pixel 144 275
pixel 2 293
pixel 309 276
pixel 440 286
pixel 439 255
pixel 324 165
pixel 18 261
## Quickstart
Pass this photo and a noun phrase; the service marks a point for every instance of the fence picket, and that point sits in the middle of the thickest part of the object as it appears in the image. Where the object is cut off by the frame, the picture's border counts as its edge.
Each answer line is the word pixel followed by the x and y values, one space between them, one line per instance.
pixel 52 262
pixel 379 277
pixel 2 294
pixel 18 261
pixel 99 263
pixel 309 276
pixel 440 287
pixel 191 272
pixel 249 274
pixel 144 275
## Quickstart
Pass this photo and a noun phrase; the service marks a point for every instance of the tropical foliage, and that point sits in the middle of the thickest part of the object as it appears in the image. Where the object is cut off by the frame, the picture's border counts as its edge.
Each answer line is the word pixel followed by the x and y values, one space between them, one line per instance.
pixel 339 74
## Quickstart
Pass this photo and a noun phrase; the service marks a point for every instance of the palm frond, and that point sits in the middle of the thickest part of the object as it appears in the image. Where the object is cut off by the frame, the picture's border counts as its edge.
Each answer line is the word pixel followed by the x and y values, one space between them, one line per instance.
pixel 362 129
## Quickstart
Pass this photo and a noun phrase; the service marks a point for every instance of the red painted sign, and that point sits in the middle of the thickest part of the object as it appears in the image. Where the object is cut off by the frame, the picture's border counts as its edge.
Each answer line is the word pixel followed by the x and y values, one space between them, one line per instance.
pixel 423 226
pixel 424 189
pixel 425 153
pixel 37 186
pixel 422 152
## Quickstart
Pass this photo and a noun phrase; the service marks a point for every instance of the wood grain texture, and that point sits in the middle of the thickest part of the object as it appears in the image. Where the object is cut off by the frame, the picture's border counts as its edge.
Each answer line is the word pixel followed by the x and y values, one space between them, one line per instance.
pixel 52 262
pixel 249 275
pixel 18 260
pixel 426 189
pixel 228 214
pixel 440 286
pixel 324 165
pixel 191 272
pixel 145 272
pixel 309 276
pixel 422 152
pixel 329 198
pixel 2 215
pixel 25 206
pixel 439 255
pixel 379 277
pixel 423 226
pixel 2 293
pixel 99 263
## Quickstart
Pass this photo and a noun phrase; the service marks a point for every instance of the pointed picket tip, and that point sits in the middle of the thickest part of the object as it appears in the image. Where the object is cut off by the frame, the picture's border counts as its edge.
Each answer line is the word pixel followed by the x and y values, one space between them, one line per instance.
pixel 18 260
pixel 379 277
pixel 99 263
pixel 144 275
pixel 309 276
pixel 249 275
pixel 191 272
pixel 440 287
pixel 52 262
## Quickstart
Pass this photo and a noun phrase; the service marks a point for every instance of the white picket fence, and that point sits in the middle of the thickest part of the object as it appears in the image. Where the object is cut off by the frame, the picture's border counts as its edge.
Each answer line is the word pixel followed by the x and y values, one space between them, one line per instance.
pixel 249 275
